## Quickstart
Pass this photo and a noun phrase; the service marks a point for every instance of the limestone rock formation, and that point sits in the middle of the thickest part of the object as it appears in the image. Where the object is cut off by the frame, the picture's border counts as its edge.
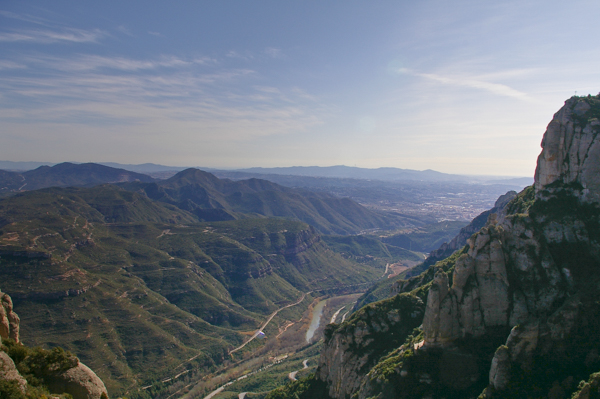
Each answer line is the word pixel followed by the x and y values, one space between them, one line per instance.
pixel 466 232
pixel 590 389
pixel 481 295
pixel 352 348
pixel 8 371
pixel 500 370
pixel 9 320
pixel 79 381
pixel 571 148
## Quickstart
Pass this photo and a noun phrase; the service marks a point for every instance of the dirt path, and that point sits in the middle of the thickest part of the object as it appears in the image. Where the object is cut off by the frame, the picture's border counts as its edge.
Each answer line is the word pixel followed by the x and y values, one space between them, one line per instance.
pixel 268 321
pixel 165 232
pixel 292 375
pixel 344 316
pixel 222 387
pixel 335 315
pixel 387 267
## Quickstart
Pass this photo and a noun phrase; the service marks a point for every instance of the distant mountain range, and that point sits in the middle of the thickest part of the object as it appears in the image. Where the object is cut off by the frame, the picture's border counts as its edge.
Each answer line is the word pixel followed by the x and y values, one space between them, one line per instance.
pixel 339 171
pixel 212 199
pixel 66 175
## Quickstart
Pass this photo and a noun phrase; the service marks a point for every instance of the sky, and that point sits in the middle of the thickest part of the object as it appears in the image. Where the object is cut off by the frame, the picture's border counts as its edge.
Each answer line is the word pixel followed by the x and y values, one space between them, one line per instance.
pixel 458 86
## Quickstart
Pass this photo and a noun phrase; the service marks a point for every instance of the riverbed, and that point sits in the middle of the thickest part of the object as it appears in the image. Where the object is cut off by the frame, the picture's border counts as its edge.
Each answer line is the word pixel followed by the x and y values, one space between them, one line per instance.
pixel 315 321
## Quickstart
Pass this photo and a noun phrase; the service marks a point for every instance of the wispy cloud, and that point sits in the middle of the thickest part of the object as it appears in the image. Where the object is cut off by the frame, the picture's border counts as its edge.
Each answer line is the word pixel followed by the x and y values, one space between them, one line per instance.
pixel 204 60
pixel 93 62
pixel 235 54
pixel 86 62
pixel 467 81
pixel 165 91
pixel 273 52
pixel 123 29
pixel 11 65
pixel 25 17
pixel 71 35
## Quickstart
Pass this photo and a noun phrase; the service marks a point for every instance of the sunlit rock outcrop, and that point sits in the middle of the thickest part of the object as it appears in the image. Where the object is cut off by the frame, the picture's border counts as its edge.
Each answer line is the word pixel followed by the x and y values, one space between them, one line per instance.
pixel 571 149
pixel 57 370
pixel 9 320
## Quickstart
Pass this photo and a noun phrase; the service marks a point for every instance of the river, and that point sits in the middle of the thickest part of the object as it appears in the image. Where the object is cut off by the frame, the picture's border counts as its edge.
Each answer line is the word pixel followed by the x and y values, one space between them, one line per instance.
pixel 316 320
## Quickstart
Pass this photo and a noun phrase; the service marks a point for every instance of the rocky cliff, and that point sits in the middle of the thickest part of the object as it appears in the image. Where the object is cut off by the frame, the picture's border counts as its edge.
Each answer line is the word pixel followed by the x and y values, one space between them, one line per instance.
pixel 571 150
pixel 353 349
pixel 9 320
pixel 516 314
pixel 54 371
pixel 466 232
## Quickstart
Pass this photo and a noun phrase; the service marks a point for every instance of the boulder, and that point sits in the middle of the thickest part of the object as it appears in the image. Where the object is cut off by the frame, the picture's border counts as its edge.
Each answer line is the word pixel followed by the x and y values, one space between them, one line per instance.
pixel 500 370
pixel 80 382
pixel 8 371
pixel 9 320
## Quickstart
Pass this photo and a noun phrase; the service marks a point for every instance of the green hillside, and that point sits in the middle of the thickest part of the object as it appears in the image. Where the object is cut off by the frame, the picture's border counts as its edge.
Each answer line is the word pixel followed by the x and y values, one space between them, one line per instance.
pixel 135 287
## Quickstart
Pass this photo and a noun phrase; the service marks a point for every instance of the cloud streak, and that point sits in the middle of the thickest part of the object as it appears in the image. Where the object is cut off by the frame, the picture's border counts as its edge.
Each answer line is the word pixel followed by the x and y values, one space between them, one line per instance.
pixel 69 35
pixel 10 65
pixel 195 94
pixel 494 88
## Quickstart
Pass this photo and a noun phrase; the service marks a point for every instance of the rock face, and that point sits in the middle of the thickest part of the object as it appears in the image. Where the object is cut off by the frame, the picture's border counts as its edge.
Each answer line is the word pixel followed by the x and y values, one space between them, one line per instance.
pixel 481 295
pixel 80 382
pixel 461 238
pixel 8 371
pixel 353 348
pixel 500 370
pixel 9 320
pixel 571 149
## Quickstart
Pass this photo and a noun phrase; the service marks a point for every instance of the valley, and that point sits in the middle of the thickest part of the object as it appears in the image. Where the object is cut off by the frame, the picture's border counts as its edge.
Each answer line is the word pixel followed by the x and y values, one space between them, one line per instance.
pixel 299 200
pixel 133 281
pixel 195 267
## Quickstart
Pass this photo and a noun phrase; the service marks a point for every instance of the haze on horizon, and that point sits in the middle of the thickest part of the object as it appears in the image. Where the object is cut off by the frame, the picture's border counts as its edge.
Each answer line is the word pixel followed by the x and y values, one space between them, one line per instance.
pixel 463 87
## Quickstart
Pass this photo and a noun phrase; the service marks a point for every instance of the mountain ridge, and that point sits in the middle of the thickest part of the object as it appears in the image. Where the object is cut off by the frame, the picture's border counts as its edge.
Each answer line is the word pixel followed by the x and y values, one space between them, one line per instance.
pixel 339 171
pixel 211 198
pixel 133 286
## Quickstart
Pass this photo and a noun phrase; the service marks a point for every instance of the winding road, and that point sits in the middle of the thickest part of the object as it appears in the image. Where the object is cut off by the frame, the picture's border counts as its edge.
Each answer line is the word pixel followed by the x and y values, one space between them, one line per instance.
pixel 292 375
pixel 268 321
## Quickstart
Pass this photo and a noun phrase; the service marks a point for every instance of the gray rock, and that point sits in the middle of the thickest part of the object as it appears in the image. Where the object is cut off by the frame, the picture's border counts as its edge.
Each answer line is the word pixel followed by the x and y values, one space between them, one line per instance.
pixel 8 371
pixel 80 382
pixel 571 150
pixel 9 320
pixel 500 370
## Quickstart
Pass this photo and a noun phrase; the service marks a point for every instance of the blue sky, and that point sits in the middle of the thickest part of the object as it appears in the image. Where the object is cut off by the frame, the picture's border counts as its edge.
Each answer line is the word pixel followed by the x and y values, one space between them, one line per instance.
pixel 459 87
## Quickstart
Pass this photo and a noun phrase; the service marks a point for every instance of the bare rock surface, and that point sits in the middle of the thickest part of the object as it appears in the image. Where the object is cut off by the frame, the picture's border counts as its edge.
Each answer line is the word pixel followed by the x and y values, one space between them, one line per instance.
pixel 500 370
pixel 571 149
pixel 80 382
pixel 8 371
pixel 352 347
pixel 9 320
pixel 446 249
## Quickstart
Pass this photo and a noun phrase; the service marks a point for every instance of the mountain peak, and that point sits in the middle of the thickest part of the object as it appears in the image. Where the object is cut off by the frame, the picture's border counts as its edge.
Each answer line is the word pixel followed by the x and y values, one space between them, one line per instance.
pixel 191 176
pixel 571 149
